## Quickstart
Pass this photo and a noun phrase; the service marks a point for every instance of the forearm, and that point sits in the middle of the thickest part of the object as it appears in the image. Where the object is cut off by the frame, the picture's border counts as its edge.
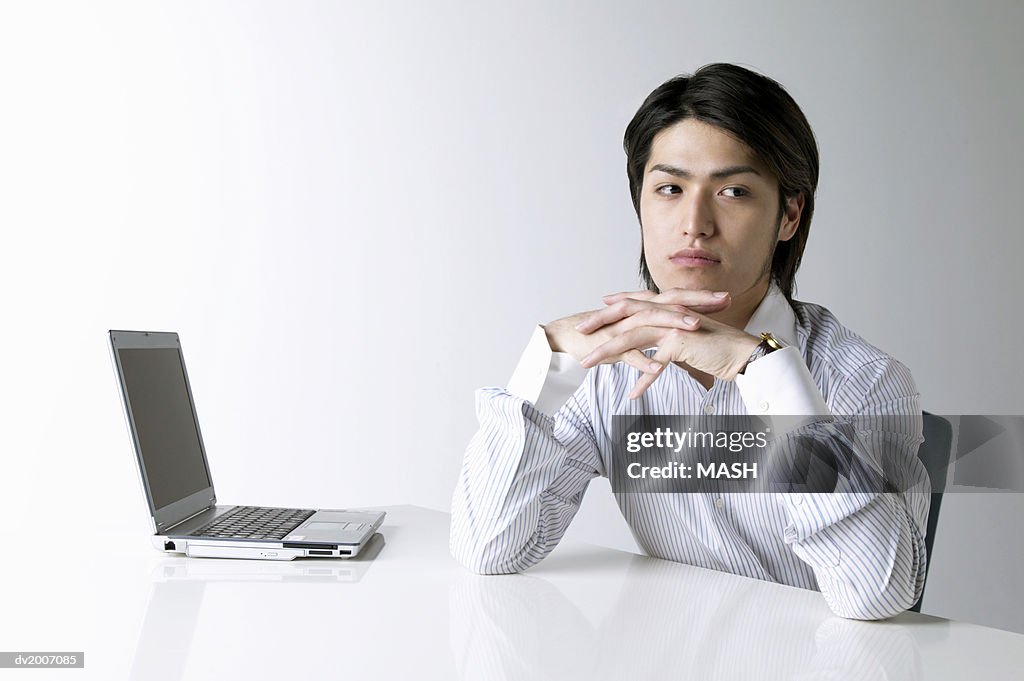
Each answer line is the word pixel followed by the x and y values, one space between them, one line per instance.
pixel 521 483
pixel 867 551
pixel 865 547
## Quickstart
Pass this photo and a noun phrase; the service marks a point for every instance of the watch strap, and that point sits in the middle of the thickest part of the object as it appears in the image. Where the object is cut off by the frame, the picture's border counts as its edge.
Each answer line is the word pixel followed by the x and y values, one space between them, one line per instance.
pixel 769 344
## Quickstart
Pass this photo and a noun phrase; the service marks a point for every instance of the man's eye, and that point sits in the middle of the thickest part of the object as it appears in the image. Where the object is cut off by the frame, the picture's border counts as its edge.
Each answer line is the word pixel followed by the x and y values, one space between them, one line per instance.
pixel 669 189
pixel 738 191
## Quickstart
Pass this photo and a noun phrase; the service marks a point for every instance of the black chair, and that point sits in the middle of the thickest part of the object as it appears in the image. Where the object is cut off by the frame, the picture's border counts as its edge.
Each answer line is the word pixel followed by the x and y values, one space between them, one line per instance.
pixel 934 454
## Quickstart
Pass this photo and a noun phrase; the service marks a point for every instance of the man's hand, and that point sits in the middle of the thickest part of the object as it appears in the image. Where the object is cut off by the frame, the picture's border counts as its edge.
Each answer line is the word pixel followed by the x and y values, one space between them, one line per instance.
pixel 580 335
pixel 639 320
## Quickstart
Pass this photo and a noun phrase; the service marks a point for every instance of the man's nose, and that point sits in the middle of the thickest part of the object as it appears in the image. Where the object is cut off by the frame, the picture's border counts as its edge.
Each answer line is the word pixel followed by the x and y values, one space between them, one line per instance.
pixel 697 218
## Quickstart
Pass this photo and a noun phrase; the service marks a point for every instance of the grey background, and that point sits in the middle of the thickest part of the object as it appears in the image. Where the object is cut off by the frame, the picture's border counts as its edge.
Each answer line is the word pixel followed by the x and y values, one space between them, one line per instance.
pixel 354 213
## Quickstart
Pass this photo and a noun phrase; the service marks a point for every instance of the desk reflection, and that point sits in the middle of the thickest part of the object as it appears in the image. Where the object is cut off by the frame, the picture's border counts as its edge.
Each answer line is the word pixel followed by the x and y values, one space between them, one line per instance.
pixel 669 621
pixel 177 591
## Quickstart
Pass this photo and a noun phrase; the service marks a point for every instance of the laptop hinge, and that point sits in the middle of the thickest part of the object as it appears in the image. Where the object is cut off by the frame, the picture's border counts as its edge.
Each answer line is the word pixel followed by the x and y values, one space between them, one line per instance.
pixel 183 520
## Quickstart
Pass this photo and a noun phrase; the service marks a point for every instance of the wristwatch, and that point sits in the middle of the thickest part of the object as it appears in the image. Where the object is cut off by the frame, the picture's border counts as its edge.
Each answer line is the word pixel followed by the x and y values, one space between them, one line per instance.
pixel 768 345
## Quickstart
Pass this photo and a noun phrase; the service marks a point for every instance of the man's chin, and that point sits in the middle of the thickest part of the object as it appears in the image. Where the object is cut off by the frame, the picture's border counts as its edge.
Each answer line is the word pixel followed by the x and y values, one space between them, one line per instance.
pixel 692 282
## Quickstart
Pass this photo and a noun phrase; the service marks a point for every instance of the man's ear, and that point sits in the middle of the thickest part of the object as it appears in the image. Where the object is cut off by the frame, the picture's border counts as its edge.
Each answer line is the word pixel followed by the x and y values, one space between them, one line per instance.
pixel 791 216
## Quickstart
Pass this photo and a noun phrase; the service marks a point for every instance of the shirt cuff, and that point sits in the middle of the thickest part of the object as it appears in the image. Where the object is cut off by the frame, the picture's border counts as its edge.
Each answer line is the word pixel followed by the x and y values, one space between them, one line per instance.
pixel 779 384
pixel 544 378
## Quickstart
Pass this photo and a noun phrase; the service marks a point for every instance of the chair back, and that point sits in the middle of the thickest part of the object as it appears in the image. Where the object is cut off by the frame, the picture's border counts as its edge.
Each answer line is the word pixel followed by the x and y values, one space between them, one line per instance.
pixel 934 454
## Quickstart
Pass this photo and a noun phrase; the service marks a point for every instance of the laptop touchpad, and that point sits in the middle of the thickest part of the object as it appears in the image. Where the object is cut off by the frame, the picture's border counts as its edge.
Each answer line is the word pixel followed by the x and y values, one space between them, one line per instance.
pixel 325 527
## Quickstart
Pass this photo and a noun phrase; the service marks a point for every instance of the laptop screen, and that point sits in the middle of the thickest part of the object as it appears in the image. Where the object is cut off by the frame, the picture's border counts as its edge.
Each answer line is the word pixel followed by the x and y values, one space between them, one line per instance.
pixel 165 423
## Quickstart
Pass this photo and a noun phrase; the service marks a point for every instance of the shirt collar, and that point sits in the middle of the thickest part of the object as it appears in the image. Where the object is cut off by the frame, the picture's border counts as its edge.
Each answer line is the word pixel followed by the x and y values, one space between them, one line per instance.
pixel 775 315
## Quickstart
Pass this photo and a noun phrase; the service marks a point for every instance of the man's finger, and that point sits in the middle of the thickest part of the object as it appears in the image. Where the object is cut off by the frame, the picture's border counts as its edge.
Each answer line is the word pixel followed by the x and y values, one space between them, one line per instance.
pixel 635 295
pixel 642 362
pixel 691 298
pixel 668 316
pixel 631 314
pixel 643 383
pixel 634 339
pixel 697 300
pixel 611 314
pixel 663 356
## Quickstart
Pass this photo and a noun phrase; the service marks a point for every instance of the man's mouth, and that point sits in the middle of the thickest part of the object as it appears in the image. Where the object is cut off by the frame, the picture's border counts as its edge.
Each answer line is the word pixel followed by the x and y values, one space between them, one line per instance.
pixel 694 257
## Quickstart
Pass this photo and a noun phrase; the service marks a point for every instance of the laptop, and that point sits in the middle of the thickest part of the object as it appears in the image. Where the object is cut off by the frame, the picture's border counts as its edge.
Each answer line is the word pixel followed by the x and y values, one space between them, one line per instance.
pixel 175 472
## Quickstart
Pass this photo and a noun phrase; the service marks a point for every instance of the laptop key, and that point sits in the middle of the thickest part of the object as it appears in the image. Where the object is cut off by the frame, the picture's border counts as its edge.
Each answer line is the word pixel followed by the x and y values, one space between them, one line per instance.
pixel 255 523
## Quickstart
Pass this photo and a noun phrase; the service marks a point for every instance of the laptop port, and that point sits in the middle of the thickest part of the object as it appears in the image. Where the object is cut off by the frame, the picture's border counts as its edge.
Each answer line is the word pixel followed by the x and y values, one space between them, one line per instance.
pixel 168 546
pixel 316 552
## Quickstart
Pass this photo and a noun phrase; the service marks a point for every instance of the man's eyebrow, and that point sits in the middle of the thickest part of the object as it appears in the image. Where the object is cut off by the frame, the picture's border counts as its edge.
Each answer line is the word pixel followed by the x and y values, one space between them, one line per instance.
pixel 716 175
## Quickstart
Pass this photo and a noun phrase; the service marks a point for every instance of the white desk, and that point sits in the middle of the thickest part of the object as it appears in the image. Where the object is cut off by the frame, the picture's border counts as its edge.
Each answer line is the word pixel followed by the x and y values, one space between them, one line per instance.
pixel 411 612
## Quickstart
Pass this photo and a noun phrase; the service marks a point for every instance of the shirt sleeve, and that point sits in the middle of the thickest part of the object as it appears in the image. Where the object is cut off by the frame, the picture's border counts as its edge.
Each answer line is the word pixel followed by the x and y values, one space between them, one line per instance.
pixel 526 469
pixel 545 378
pixel 780 383
pixel 866 546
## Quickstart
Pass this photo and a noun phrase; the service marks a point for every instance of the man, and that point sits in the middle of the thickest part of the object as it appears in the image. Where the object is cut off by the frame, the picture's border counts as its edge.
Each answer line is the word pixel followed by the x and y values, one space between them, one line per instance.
pixel 722 168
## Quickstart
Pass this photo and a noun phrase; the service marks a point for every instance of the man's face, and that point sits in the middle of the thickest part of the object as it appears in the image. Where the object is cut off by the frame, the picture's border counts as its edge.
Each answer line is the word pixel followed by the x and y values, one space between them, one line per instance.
pixel 709 210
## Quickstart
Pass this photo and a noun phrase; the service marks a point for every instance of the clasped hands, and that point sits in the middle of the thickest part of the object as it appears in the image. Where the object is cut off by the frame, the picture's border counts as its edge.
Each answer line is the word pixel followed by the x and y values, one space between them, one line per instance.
pixel 673 321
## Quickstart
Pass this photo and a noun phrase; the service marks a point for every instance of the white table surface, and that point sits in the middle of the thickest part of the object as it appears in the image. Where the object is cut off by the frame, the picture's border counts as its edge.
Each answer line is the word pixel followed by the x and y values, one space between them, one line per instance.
pixel 412 612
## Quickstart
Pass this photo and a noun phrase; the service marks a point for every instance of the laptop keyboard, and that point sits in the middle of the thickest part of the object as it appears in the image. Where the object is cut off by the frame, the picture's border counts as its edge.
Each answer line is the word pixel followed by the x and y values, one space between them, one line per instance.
pixel 255 522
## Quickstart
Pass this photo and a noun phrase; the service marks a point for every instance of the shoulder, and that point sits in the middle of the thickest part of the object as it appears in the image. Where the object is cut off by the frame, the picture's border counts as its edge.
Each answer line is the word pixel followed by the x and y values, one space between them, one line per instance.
pixel 841 361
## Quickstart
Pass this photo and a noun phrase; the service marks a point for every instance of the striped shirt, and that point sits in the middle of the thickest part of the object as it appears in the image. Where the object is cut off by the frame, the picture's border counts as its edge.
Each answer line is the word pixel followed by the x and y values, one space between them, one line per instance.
pixel 543 439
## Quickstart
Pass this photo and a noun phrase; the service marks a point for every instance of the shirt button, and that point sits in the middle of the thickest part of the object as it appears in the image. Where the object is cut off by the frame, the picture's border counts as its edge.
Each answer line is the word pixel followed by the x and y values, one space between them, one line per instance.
pixel 709 409
pixel 719 502
pixel 763 406
pixel 798 499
